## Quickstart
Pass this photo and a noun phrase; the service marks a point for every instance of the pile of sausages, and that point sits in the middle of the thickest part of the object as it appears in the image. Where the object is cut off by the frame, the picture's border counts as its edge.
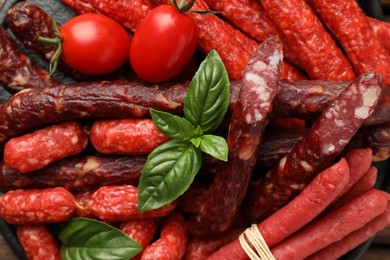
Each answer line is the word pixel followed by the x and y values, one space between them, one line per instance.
pixel 309 113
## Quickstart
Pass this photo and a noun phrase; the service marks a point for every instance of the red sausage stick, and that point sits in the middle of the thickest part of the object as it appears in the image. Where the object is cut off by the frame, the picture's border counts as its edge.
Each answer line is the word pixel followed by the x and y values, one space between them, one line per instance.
pixel 246 130
pixel 314 47
pixel 17 72
pixel 364 184
pixel 33 151
pixel 325 140
pixel 301 210
pixel 141 230
pixel 38 242
pixel 382 31
pixel 120 203
pixel 126 136
pixel 334 226
pixel 172 243
pixel 351 241
pixel 37 206
pixel 348 24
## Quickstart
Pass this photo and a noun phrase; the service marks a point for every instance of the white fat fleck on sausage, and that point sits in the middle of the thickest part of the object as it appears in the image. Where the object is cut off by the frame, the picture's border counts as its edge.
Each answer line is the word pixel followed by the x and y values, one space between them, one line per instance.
pixel 274 59
pixel 90 165
pixel 255 78
pixel 75 140
pixel 18 80
pixel 328 148
pixel 306 166
pixel 369 97
pixel 339 123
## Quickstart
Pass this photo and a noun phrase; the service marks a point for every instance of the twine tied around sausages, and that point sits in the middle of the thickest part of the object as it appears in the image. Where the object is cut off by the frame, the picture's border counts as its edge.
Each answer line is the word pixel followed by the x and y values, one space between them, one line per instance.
pixel 252 236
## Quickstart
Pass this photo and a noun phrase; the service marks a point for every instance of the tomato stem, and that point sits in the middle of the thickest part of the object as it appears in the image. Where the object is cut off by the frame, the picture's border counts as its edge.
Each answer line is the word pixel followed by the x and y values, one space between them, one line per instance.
pixel 183 7
pixel 53 41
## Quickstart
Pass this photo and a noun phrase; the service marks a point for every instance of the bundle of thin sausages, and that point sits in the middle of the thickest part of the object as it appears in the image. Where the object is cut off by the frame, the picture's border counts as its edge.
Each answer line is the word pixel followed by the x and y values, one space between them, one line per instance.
pixel 295 183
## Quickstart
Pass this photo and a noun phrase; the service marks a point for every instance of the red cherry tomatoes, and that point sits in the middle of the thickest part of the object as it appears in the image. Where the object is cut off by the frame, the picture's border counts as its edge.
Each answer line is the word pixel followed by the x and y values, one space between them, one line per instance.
pixel 94 44
pixel 163 44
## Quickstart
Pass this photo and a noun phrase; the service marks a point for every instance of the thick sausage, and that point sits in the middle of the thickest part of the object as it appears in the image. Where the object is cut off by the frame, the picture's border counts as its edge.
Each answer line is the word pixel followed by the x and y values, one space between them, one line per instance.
pixel 79 172
pixel 37 206
pixel 304 208
pixel 29 109
pixel 141 230
pixel 120 203
pixel 33 151
pixel 172 243
pixel 118 10
pixel 246 130
pixel 351 241
pixel 348 24
pixel 38 242
pixel 126 136
pixel 341 222
pixel 313 46
pixel 325 140
pixel 17 72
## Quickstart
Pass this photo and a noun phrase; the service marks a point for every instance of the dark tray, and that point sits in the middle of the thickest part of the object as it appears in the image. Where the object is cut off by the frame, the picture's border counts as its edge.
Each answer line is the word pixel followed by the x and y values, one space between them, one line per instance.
pixel 62 14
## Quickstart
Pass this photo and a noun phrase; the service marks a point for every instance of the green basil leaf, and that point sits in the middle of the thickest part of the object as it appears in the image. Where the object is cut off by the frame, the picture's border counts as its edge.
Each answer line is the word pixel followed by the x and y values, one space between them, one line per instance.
pixel 208 96
pixel 215 146
pixel 84 238
pixel 173 126
pixel 168 172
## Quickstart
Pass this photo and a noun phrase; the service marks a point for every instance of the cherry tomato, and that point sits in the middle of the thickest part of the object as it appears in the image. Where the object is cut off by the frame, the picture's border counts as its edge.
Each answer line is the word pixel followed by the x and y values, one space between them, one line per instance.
pixel 163 44
pixel 94 44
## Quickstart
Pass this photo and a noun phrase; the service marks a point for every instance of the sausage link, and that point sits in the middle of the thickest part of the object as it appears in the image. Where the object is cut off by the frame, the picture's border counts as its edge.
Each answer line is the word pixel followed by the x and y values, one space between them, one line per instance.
pixel 141 230
pixel 301 210
pixel 172 243
pixel 33 151
pixel 38 242
pixel 342 222
pixel 36 206
pixel 32 108
pixel 126 136
pixel 246 130
pixel 381 30
pixel 120 203
pixel 117 10
pixel 354 239
pixel 300 28
pixel 348 24
pixel 325 140
pixel 79 172
pixel 17 72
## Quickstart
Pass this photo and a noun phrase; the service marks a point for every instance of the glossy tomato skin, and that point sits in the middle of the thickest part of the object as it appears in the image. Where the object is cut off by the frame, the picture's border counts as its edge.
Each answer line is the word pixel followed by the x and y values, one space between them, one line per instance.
pixel 163 44
pixel 94 44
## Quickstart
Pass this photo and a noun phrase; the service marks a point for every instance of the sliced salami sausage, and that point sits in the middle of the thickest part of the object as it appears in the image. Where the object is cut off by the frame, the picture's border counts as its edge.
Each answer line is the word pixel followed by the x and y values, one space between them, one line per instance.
pixel 33 151
pixel 37 206
pixel 247 126
pixel 172 243
pixel 38 242
pixel 16 69
pixel 126 136
pixel 79 172
pixel 325 140
pixel 348 24
pixel 300 28
pixel 120 203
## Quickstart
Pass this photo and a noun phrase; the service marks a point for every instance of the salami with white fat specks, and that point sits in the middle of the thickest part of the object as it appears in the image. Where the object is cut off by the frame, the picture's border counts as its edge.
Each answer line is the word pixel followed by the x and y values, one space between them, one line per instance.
pixel 327 137
pixel 247 126
pixel 16 69
pixel 37 206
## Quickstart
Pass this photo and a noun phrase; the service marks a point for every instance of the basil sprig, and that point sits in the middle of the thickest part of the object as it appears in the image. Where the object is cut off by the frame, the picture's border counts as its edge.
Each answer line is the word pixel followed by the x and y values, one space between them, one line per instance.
pixel 171 168
pixel 84 238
